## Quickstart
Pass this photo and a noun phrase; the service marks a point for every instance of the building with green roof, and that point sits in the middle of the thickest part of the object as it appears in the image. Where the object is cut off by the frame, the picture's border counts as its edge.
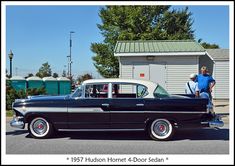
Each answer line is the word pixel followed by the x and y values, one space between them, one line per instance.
pixel 167 62
pixel 170 62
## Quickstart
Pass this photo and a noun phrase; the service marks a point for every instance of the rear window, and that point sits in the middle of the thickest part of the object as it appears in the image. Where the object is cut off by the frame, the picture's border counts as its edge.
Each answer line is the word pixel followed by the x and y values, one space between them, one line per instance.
pixel 160 92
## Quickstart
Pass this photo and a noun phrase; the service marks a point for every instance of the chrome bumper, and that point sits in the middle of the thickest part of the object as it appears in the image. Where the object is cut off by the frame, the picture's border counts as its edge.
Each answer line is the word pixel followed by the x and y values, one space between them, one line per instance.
pixel 215 123
pixel 17 122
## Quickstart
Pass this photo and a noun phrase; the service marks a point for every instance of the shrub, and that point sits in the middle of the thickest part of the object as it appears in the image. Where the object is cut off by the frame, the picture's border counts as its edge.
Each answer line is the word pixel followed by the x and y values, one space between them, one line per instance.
pixel 12 94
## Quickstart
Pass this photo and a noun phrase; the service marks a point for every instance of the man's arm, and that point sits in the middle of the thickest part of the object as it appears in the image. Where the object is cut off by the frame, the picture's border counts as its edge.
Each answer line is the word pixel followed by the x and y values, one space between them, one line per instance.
pixel 212 84
pixel 196 90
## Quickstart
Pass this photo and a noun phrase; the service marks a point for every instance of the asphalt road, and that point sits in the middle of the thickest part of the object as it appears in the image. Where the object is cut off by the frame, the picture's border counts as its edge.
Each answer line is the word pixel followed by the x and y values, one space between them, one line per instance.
pixel 197 141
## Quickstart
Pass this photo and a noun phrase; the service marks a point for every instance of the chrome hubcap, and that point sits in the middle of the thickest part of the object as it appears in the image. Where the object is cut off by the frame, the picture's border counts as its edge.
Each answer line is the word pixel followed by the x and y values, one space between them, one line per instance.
pixel 39 127
pixel 161 128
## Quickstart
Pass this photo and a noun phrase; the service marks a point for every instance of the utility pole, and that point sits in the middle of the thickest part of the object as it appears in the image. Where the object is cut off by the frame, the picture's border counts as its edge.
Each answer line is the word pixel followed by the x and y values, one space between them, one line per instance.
pixel 70 56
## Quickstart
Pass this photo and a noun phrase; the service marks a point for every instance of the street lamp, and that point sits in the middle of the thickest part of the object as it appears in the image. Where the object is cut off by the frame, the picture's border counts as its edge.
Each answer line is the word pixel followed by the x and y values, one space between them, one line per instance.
pixel 10 57
pixel 70 56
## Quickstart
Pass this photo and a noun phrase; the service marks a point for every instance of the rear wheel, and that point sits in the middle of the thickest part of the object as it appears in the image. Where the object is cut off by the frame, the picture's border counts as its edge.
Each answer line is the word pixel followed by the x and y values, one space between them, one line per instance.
pixel 40 128
pixel 161 129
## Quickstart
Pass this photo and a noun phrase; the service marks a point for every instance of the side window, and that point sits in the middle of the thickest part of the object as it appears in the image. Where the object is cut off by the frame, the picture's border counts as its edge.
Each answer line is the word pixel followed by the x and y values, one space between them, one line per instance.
pixel 128 91
pixel 141 91
pixel 96 91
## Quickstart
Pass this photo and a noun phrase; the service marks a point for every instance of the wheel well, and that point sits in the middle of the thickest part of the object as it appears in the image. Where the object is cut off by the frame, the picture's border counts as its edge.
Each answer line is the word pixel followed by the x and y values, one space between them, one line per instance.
pixel 30 117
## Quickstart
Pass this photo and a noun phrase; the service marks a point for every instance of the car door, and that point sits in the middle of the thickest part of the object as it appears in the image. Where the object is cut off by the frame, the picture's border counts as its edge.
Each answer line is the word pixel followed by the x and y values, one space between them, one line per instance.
pixel 89 112
pixel 126 110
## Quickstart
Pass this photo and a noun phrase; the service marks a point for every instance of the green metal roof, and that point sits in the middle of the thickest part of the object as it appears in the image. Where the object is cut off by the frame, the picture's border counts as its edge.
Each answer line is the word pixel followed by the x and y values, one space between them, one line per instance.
pixel 157 46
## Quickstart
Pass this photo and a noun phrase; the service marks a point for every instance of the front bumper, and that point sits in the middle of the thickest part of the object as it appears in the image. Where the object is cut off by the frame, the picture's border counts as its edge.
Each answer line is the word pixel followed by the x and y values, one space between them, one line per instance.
pixel 17 122
pixel 216 122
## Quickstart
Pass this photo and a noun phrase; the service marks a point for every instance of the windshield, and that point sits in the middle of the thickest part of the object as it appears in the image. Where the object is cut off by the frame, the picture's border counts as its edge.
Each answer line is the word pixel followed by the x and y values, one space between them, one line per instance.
pixel 77 92
pixel 160 92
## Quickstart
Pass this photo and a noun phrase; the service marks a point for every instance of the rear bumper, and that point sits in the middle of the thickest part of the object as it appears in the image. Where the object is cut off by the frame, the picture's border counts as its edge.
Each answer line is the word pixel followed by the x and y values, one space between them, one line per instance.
pixel 17 122
pixel 216 122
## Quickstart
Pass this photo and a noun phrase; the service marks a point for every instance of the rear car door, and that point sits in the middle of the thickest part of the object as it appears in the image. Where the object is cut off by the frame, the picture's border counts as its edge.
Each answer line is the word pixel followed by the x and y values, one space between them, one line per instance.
pixel 126 109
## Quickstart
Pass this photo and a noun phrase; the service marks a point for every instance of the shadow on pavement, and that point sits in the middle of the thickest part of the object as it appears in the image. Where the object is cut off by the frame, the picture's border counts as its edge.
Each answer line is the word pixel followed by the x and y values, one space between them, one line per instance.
pixel 202 134
pixel 194 134
pixel 16 132
pixel 222 105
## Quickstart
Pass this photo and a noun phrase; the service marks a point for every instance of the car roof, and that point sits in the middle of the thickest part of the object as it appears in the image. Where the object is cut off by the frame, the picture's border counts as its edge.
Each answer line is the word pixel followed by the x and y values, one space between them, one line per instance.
pixel 120 80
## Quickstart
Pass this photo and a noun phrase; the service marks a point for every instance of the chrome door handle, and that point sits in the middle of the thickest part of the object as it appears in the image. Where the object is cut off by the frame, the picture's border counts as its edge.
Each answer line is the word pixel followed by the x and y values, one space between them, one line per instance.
pixel 105 105
pixel 139 105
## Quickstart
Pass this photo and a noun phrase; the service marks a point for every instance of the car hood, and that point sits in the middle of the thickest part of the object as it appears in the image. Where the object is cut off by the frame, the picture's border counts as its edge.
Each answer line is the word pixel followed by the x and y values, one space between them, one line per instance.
pixel 34 98
pixel 41 98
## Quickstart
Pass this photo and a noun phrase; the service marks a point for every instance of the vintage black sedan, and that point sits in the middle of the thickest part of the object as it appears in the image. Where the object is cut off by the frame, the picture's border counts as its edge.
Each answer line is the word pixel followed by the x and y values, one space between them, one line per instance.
pixel 114 105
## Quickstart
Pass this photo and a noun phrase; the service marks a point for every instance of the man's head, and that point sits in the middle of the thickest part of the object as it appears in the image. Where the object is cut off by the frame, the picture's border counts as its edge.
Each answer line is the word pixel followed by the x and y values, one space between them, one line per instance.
pixel 203 70
pixel 193 76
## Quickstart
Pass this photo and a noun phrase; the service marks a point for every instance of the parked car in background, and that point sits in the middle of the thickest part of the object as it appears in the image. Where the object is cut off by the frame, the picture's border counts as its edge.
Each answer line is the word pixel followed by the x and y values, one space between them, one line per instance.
pixel 127 104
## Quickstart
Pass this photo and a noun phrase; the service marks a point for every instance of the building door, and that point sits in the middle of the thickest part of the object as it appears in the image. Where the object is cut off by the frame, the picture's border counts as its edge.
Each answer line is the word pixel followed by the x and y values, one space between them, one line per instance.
pixel 141 71
pixel 158 74
pixel 153 72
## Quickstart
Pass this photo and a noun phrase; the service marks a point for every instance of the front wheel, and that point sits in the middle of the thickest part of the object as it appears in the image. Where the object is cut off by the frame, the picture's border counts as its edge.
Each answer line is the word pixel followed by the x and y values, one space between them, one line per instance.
pixel 161 129
pixel 40 128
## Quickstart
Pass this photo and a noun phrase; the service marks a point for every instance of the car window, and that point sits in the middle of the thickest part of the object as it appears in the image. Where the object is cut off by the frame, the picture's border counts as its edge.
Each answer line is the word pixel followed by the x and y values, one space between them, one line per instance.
pixel 141 91
pixel 77 92
pixel 122 90
pixel 96 91
pixel 160 92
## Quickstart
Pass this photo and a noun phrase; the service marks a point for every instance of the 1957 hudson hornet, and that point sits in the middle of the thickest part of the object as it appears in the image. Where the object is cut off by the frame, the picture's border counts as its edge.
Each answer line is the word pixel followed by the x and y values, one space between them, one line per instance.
pixel 114 105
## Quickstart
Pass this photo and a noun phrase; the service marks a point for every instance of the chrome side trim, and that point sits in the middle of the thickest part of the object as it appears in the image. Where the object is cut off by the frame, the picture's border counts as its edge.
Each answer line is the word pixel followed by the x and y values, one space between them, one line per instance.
pixel 101 129
pixel 23 110
pixel 85 110
pixel 160 112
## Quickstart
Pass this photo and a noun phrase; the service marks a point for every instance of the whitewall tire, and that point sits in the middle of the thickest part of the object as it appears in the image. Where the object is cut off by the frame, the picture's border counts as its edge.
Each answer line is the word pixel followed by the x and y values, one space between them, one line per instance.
pixel 161 129
pixel 40 128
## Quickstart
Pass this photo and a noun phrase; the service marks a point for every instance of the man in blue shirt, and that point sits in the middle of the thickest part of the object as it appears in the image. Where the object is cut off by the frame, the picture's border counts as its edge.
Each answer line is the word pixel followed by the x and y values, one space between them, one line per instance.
pixel 205 82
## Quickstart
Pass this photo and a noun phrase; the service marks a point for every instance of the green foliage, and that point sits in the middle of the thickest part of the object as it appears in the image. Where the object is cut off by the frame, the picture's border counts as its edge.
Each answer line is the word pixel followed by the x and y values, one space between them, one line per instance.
pixel 36 91
pixel 63 73
pixel 55 75
pixel 44 70
pixel 9 113
pixel 12 94
pixel 106 64
pixel 29 75
pixel 137 23
pixel 209 46
pixel 84 77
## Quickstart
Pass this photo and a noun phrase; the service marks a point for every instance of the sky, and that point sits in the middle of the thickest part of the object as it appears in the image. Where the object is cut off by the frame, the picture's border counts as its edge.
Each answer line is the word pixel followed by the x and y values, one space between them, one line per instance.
pixel 39 34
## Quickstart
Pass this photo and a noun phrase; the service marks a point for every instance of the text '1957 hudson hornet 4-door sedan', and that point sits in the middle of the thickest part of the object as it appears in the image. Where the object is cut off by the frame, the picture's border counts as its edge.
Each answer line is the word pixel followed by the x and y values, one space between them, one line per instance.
pixel 114 105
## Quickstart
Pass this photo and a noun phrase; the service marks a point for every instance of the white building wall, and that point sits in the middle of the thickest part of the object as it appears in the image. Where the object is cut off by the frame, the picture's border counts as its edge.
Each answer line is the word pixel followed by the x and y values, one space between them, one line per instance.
pixel 178 69
pixel 221 76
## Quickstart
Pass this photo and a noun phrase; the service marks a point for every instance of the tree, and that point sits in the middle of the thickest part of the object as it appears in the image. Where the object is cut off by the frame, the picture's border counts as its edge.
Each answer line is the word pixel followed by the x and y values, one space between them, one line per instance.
pixel 208 45
pixel 84 77
pixel 137 23
pixel 44 70
pixel 63 73
pixel 55 75
pixel 29 75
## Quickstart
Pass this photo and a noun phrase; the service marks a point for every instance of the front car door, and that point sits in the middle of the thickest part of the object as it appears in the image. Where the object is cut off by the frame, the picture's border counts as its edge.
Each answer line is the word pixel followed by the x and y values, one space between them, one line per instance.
pixel 91 110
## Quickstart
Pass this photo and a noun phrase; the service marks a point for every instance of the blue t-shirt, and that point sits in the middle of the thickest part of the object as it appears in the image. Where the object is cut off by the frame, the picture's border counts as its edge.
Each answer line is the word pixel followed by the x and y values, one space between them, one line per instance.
pixel 204 82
